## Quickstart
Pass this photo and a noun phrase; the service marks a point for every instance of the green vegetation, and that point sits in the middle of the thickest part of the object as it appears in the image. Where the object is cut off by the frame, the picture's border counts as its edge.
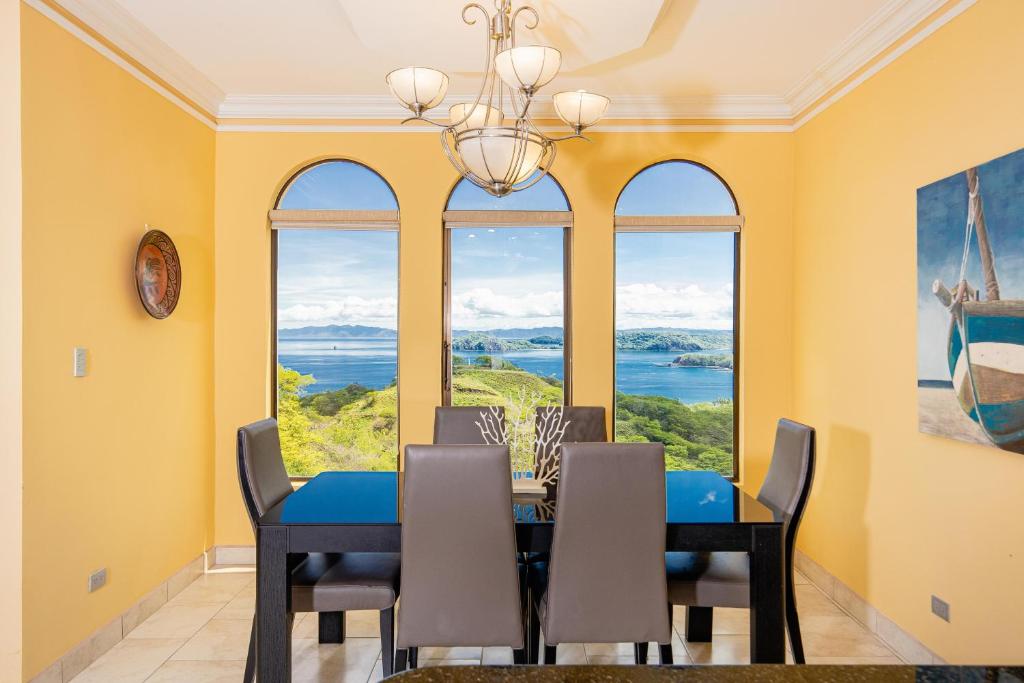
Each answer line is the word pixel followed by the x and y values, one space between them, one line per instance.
pixel 657 340
pixel 703 360
pixel 479 341
pixel 518 391
pixel 354 428
pixel 696 437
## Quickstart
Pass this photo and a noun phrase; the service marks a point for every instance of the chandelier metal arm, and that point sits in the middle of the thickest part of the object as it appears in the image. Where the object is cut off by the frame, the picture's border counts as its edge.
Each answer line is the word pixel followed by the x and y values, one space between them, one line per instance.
pixel 487 69
pixel 529 26
pixel 497 151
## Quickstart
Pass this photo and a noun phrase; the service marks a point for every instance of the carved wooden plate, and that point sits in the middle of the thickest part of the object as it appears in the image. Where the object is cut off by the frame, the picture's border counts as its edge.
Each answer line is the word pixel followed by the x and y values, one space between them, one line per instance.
pixel 158 274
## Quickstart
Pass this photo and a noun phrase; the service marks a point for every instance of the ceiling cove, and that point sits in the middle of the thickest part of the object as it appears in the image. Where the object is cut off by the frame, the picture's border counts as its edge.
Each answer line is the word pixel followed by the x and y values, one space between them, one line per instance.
pixel 894 27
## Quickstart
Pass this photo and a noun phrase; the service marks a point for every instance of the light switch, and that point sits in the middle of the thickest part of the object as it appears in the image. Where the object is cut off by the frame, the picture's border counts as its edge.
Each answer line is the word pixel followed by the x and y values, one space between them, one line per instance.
pixel 80 354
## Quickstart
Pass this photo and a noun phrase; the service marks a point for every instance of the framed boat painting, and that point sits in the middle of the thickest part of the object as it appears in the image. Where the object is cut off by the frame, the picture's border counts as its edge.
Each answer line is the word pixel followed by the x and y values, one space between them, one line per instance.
pixel 970 305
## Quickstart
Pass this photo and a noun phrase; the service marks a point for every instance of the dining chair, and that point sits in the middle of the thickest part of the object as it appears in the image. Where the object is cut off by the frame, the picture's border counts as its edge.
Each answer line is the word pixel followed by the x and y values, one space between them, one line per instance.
pixel 469 425
pixel 703 581
pixel 606 577
pixel 555 425
pixel 460 581
pixel 329 584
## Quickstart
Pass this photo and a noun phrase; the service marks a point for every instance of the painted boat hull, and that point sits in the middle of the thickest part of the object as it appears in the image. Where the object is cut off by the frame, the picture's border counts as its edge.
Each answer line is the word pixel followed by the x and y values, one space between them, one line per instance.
pixel 995 333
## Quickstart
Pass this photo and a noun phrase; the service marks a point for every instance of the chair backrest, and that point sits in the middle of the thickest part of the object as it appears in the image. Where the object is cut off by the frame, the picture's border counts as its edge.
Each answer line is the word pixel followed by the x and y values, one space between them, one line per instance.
pixel 606 582
pixel 788 483
pixel 261 471
pixel 555 425
pixel 460 582
pixel 469 425
pixel 573 424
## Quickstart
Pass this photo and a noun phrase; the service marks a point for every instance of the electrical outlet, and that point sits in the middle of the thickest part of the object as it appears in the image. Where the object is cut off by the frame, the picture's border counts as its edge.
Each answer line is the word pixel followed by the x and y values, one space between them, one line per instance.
pixel 940 608
pixel 79 368
pixel 97 579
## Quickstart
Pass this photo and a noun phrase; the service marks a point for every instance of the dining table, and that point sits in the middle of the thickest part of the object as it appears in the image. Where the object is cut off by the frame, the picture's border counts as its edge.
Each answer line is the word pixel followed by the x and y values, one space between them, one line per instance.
pixel 339 512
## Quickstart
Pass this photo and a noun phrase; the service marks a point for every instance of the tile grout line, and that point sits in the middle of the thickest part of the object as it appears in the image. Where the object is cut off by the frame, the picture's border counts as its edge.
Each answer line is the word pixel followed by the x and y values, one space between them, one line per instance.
pixel 186 640
pixel 856 620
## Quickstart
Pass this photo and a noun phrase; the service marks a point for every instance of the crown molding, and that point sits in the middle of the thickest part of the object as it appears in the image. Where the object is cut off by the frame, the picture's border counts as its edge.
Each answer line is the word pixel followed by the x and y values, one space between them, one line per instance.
pixel 79 30
pixel 116 24
pixel 312 127
pixel 860 76
pixel 376 107
pixel 882 29
pixel 109 28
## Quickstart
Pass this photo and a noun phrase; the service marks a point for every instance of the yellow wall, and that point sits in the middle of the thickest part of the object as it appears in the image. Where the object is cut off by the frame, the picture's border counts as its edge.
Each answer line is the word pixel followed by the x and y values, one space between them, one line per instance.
pixel 117 465
pixel 895 514
pixel 10 339
pixel 252 166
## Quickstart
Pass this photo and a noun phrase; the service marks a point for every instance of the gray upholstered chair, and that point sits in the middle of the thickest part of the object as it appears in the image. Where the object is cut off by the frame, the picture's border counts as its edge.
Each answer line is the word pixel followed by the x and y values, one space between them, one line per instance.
pixel 460 582
pixel 555 425
pixel 327 584
pixel 703 581
pixel 606 578
pixel 469 425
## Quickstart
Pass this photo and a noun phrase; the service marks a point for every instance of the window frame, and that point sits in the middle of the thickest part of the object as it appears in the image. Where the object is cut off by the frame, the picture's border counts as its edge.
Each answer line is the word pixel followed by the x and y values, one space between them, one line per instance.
pixel 471 218
pixel 683 224
pixel 349 220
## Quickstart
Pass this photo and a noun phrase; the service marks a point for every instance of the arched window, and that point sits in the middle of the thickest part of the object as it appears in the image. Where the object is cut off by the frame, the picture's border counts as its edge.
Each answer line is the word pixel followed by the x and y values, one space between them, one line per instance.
pixel 335 315
pixel 506 298
pixel 676 293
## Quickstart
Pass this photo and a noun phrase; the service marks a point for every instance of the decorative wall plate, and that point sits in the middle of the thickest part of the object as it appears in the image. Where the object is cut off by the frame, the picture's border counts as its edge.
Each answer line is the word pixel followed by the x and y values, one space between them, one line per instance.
pixel 158 274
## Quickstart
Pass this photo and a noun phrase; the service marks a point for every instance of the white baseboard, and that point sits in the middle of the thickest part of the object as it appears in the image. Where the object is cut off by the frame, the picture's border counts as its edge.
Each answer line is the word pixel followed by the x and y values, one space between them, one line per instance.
pixel 78 658
pixel 234 555
pixel 902 642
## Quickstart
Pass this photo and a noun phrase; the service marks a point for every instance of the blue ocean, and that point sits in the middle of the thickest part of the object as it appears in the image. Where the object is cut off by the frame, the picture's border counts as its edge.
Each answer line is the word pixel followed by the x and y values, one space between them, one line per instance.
pixel 373 363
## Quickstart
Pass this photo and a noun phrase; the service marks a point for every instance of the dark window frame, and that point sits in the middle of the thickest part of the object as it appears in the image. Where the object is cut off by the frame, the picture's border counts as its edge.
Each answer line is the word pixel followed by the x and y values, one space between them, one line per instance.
pixel 462 218
pixel 687 225
pixel 357 223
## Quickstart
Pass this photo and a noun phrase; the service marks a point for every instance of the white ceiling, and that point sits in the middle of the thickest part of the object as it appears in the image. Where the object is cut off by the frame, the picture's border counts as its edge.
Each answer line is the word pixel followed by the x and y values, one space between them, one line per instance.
pixel 323 58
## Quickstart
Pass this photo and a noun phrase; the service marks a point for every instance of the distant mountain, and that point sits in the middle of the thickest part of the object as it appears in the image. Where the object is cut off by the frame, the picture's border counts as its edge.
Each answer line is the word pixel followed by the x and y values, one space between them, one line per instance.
pixel 513 332
pixel 667 339
pixel 336 332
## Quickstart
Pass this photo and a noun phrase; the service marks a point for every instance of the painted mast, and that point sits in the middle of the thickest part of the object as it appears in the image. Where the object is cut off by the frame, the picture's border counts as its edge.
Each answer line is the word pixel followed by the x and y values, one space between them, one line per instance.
pixel 977 211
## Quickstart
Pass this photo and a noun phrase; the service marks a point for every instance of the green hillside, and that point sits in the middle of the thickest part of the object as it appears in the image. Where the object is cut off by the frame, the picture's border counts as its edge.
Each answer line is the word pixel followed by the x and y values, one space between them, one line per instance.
pixel 356 428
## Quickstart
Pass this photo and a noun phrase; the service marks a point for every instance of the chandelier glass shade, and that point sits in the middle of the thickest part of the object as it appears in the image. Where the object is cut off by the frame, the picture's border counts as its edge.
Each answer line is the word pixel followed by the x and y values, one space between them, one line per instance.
pixel 493 140
pixel 528 68
pixel 418 88
pixel 580 108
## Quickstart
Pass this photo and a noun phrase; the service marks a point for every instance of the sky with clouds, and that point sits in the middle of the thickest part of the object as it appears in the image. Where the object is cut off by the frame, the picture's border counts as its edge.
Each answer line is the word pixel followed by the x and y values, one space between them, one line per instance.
pixel 507 277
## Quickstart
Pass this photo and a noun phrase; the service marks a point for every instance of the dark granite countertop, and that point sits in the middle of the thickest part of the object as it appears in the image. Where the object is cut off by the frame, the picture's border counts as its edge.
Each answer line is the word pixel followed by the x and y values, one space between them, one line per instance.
pixel 764 673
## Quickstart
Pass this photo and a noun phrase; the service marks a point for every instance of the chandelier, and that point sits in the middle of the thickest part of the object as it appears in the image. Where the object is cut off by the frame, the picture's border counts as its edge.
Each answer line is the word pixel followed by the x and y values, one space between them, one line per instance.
pixel 493 141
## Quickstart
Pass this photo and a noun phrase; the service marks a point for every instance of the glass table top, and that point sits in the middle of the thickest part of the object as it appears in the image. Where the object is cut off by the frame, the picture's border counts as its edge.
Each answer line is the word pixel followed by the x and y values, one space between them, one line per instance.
pixel 373 498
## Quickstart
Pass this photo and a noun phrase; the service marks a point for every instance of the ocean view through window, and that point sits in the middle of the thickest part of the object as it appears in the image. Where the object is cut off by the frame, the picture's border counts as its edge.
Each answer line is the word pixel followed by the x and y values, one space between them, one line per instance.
pixel 336 292
pixel 675 295
pixel 506 303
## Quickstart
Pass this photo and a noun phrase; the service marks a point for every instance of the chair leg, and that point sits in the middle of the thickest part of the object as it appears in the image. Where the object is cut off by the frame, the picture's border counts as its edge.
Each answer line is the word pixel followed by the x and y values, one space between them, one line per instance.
pixel 640 653
pixel 550 653
pixel 387 641
pixel 533 630
pixel 793 621
pixel 414 657
pixel 250 659
pixel 332 627
pixel 522 656
pixel 401 659
pixel 665 651
pixel 698 624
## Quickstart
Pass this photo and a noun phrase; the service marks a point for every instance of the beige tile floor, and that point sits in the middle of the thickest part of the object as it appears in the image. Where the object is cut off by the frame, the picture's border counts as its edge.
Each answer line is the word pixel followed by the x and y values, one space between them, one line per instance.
pixel 202 635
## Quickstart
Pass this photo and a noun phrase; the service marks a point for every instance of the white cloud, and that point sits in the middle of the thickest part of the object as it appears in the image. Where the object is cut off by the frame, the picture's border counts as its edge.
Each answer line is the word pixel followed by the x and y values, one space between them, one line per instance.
pixel 483 307
pixel 648 304
pixel 349 310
